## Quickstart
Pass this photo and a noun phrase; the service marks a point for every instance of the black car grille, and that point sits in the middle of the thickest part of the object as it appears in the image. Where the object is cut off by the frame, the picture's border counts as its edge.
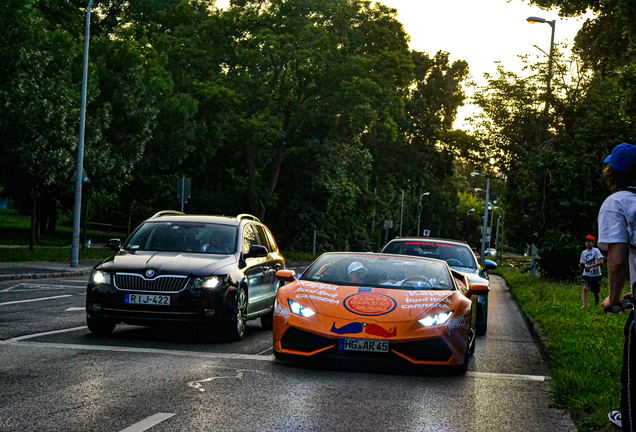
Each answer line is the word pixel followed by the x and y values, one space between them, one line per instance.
pixel 426 350
pixel 135 282
pixel 298 340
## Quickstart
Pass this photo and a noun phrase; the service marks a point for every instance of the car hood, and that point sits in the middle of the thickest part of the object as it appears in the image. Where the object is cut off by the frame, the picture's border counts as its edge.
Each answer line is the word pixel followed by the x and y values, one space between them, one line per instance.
pixel 379 304
pixel 167 263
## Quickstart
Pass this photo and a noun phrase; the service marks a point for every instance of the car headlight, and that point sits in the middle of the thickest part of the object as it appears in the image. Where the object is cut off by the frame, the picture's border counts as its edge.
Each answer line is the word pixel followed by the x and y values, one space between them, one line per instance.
pixel 211 282
pixel 301 310
pixel 438 319
pixel 100 277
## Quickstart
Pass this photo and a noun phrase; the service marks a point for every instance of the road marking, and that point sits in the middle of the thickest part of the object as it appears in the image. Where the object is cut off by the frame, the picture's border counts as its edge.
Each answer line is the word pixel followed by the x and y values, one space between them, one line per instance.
pixel 34 300
pixel 264 351
pixel 220 356
pixel 74 309
pixel 147 423
pixel 506 376
pixel 34 335
pixel 259 357
pixel 34 287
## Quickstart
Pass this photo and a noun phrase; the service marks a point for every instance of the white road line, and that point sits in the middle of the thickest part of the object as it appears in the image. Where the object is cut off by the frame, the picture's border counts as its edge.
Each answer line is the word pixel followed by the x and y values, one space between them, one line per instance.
pixel 264 351
pixel 506 376
pixel 20 340
pixel 74 309
pixel 34 335
pixel 149 422
pixel 33 300
pixel 11 287
pixel 221 356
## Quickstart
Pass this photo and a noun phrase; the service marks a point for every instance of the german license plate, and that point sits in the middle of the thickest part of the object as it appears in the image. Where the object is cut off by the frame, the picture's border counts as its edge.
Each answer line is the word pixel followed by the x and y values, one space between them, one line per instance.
pixel 143 299
pixel 348 344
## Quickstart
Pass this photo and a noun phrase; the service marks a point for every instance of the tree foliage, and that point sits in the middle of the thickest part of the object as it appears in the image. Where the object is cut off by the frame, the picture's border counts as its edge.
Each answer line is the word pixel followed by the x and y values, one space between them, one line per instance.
pixel 313 114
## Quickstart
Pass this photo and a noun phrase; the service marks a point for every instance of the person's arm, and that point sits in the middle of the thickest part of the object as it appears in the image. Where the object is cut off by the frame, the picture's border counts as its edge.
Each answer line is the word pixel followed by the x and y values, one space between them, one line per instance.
pixel 598 263
pixel 617 270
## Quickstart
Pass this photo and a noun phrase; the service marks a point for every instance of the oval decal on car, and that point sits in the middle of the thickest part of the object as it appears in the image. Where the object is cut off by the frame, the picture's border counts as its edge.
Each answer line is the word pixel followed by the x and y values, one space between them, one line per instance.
pixel 368 304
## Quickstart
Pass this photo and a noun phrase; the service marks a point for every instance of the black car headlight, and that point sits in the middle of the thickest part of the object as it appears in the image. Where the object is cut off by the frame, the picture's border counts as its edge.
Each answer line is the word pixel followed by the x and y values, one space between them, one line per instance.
pixel 210 283
pixel 99 277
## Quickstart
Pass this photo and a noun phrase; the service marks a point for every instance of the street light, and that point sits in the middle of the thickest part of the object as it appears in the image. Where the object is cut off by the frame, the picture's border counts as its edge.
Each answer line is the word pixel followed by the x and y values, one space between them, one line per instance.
pixel 420 215
pixel 552 23
pixel 470 211
pixel 80 149
pixel 485 223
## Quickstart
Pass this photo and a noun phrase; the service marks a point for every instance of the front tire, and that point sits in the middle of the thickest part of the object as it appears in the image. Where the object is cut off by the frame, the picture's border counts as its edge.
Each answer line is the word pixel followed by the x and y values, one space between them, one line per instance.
pixel 238 324
pixel 100 327
pixel 481 320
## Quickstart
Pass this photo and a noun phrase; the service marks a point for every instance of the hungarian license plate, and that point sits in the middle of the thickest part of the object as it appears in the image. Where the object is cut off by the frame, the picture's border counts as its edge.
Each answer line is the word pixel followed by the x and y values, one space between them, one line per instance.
pixel 348 344
pixel 143 299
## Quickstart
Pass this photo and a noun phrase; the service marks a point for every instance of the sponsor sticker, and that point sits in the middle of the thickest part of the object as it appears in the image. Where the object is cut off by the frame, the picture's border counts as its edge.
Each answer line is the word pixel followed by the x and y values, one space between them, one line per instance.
pixel 283 311
pixel 369 304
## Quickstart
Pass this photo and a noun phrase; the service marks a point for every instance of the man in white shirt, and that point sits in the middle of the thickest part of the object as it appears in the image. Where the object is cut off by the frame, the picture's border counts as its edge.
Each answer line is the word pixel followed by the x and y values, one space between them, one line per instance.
pixel 617 234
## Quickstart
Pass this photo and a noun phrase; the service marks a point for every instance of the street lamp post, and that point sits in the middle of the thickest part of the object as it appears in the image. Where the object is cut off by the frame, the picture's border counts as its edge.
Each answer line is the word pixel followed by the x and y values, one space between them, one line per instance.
pixel 485 223
pixel 80 149
pixel 402 213
pixel 419 217
pixel 492 216
pixel 470 211
pixel 552 23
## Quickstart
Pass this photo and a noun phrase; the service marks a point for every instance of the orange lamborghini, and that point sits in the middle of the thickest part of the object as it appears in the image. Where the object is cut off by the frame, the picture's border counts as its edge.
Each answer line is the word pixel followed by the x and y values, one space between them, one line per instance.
pixel 383 307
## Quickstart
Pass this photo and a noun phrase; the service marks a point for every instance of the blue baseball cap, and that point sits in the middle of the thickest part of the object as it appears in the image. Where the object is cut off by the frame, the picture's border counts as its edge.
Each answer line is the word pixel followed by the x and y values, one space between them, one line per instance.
pixel 623 158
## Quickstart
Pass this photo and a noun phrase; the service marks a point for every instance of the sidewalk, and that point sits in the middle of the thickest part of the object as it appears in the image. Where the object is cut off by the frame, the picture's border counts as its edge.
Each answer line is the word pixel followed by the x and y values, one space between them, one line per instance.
pixel 44 270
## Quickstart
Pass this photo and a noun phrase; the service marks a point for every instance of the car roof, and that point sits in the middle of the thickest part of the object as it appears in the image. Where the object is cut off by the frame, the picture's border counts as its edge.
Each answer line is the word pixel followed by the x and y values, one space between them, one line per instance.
pixel 174 216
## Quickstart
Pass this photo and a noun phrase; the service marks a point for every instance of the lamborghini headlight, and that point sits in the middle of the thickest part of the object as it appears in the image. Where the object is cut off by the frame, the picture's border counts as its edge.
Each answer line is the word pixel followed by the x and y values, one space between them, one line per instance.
pixel 299 309
pixel 434 320
pixel 100 277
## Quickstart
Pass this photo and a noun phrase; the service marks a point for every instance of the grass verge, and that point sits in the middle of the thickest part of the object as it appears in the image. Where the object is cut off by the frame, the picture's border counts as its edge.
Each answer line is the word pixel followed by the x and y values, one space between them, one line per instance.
pixel 585 346
pixel 15 231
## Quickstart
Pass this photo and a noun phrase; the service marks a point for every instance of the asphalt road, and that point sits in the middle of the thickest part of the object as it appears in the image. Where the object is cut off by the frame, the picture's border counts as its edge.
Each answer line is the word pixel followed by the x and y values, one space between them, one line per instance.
pixel 56 376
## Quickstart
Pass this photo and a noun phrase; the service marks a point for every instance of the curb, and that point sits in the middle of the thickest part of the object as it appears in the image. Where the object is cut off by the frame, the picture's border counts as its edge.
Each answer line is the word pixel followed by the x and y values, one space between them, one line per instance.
pixel 538 337
pixel 4 278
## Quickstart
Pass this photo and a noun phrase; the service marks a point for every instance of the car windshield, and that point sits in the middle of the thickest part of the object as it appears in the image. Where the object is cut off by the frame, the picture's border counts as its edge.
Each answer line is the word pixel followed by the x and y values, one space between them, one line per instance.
pixel 455 255
pixel 384 271
pixel 184 237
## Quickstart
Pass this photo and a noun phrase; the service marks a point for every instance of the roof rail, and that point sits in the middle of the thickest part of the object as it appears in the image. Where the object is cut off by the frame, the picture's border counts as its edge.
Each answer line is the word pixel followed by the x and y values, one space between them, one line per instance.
pixel 167 213
pixel 246 216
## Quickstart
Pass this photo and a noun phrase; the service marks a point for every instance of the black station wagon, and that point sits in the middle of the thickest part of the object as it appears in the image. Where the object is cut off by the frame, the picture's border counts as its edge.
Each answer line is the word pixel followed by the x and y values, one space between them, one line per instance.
pixel 211 271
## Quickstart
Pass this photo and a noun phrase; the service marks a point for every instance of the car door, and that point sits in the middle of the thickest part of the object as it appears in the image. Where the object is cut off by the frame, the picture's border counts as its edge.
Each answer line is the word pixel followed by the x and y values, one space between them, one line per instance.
pixel 273 263
pixel 256 272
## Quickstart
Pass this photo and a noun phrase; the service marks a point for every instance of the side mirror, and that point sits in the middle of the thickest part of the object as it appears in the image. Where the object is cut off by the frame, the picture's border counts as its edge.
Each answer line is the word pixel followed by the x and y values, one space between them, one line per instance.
pixel 489 265
pixel 113 245
pixel 286 275
pixel 256 251
pixel 477 289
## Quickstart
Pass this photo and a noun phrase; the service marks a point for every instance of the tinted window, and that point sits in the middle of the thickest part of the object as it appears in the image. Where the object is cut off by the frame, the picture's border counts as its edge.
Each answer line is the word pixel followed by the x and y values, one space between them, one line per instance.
pixel 184 237
pixel 249 238
pixel 454 254
pixel 262 237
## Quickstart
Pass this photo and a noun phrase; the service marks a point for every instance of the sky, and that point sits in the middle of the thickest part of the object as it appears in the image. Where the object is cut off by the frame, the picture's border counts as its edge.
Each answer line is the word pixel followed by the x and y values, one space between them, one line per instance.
pixel 481 32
